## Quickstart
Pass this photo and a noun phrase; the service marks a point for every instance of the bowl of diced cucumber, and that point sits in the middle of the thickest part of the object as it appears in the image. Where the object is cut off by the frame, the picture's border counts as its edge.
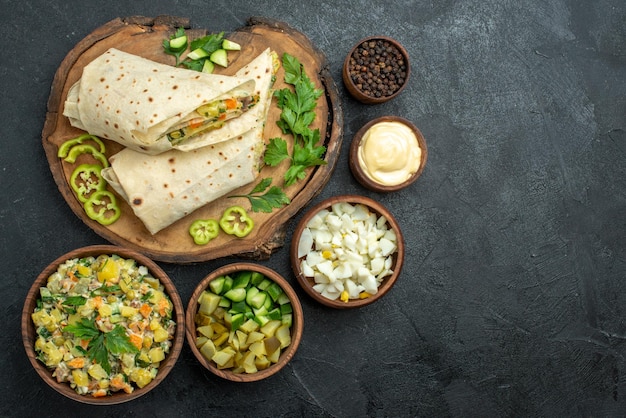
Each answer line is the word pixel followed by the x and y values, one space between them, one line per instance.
pixel 244 322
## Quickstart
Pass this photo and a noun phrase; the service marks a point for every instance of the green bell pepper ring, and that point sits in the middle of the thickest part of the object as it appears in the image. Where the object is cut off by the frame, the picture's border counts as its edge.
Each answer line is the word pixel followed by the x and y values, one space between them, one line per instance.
pixel 86 179
pixel 77 150
pixel 64 149
pixel 235 221
pixel 102 207
pixel 204 230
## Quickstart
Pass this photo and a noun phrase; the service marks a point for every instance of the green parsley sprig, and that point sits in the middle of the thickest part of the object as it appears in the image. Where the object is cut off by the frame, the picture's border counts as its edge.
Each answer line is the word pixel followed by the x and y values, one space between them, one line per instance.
pixel 176 51
pixel 101 344
pixel 274 198
pixel 209 44
pixel 298 113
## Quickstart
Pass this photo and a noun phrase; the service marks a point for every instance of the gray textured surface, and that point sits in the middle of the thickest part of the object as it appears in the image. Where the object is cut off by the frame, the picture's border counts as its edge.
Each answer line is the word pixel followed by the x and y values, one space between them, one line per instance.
pixel 512 298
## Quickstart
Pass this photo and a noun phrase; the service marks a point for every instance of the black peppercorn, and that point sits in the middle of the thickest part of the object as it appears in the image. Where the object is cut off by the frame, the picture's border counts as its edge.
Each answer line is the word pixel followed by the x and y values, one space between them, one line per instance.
pixel 377 68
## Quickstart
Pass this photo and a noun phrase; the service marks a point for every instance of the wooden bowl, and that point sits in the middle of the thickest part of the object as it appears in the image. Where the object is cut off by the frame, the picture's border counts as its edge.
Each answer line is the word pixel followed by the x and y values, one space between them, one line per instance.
pixel 308 282
pixel 296 328
pixel 359 171
pixel 29 332
pixel 354 78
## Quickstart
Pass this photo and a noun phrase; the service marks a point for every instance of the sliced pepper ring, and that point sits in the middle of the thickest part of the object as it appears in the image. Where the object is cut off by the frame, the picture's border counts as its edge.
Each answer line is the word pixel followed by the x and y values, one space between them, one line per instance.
pixel 204 230
pixel 77 150
pixel 102 207
pixel 87 179
pixel 235 221
pixel 64 149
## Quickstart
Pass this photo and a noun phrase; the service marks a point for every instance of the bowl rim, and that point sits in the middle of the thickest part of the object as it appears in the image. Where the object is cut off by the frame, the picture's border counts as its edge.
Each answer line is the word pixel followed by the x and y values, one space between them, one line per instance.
pixel 357 169
pixel 352 88
pixel 297 325
pixel 28 328
pixel 387 283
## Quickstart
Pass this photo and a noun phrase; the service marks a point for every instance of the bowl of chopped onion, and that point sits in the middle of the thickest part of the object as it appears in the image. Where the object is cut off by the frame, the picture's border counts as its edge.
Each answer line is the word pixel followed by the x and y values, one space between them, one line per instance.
pixel 347 251
pixel 103 325
pixel 244 322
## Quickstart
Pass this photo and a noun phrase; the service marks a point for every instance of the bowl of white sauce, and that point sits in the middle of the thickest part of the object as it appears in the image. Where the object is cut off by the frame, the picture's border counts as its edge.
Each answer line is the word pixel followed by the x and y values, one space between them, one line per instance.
pixel 388 154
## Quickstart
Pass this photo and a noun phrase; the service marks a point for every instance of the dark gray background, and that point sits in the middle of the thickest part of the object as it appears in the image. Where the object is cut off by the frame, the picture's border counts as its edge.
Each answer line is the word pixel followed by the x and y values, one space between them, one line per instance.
pixel 511 302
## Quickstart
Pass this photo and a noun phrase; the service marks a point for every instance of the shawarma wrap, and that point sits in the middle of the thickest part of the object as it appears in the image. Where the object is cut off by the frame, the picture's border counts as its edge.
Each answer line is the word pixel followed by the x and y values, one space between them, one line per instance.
pixel 164 188
pixel 152 107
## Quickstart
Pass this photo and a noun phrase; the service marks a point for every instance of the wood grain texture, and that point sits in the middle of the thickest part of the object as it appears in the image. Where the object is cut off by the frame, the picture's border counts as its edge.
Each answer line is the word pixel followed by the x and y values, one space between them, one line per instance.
pixel 143 36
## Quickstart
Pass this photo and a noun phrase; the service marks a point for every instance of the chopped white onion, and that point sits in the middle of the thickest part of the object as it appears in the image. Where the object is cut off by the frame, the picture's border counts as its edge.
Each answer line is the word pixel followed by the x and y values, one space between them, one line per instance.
pixel 347 249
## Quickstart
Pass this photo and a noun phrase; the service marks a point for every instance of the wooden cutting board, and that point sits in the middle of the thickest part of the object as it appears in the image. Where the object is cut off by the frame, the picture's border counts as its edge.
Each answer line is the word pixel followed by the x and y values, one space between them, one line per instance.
pixel 144 36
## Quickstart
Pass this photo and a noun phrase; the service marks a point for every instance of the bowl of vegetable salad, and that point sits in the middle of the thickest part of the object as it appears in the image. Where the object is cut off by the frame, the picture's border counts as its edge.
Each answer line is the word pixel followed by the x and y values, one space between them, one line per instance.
pixel 347 251
pixel 103 325
pixel 244 322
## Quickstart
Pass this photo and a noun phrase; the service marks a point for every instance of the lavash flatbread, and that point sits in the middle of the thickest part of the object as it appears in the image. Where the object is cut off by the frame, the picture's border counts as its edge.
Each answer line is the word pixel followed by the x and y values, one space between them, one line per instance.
pixel 164 188
pixel 135 101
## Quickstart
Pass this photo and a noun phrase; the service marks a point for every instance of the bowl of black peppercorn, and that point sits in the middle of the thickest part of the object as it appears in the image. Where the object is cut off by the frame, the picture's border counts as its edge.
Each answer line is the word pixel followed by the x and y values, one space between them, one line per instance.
pixel 376 69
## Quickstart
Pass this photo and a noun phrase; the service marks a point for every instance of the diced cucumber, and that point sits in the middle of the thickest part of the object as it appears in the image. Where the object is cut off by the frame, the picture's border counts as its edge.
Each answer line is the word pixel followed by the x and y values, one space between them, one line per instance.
pixel 260 311
pixel 241 280
pixel 256 278
pixel 224 302
pixel 220 57
pixel 208 67
pixel 230 45
pixel 217 285
pixel 238 307
pixel 237 321
pixel 265 283
pixel 236 295
pixel 283 299
pixel 286 308
pixel 251 292
pixel 178 44
pixel 275 314
pixel 287 319
pixel 255 298
pixel 197 54
pixel 261 319
pixel 269 304
pixel 228 284
pixel 274 291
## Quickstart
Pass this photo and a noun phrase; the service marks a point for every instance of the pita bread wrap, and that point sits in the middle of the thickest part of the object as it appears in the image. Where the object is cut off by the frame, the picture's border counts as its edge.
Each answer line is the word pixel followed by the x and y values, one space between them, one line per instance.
pixel 153 107
pixel 164 188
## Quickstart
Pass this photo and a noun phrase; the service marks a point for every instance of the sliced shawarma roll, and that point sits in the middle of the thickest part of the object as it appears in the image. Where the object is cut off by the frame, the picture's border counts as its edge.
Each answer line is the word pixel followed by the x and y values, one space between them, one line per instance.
pixel 152 107
pixel 163 188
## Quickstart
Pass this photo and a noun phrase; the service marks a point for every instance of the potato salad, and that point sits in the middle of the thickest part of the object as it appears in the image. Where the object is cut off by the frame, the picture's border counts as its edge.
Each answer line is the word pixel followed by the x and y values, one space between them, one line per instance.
pixel 103 325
